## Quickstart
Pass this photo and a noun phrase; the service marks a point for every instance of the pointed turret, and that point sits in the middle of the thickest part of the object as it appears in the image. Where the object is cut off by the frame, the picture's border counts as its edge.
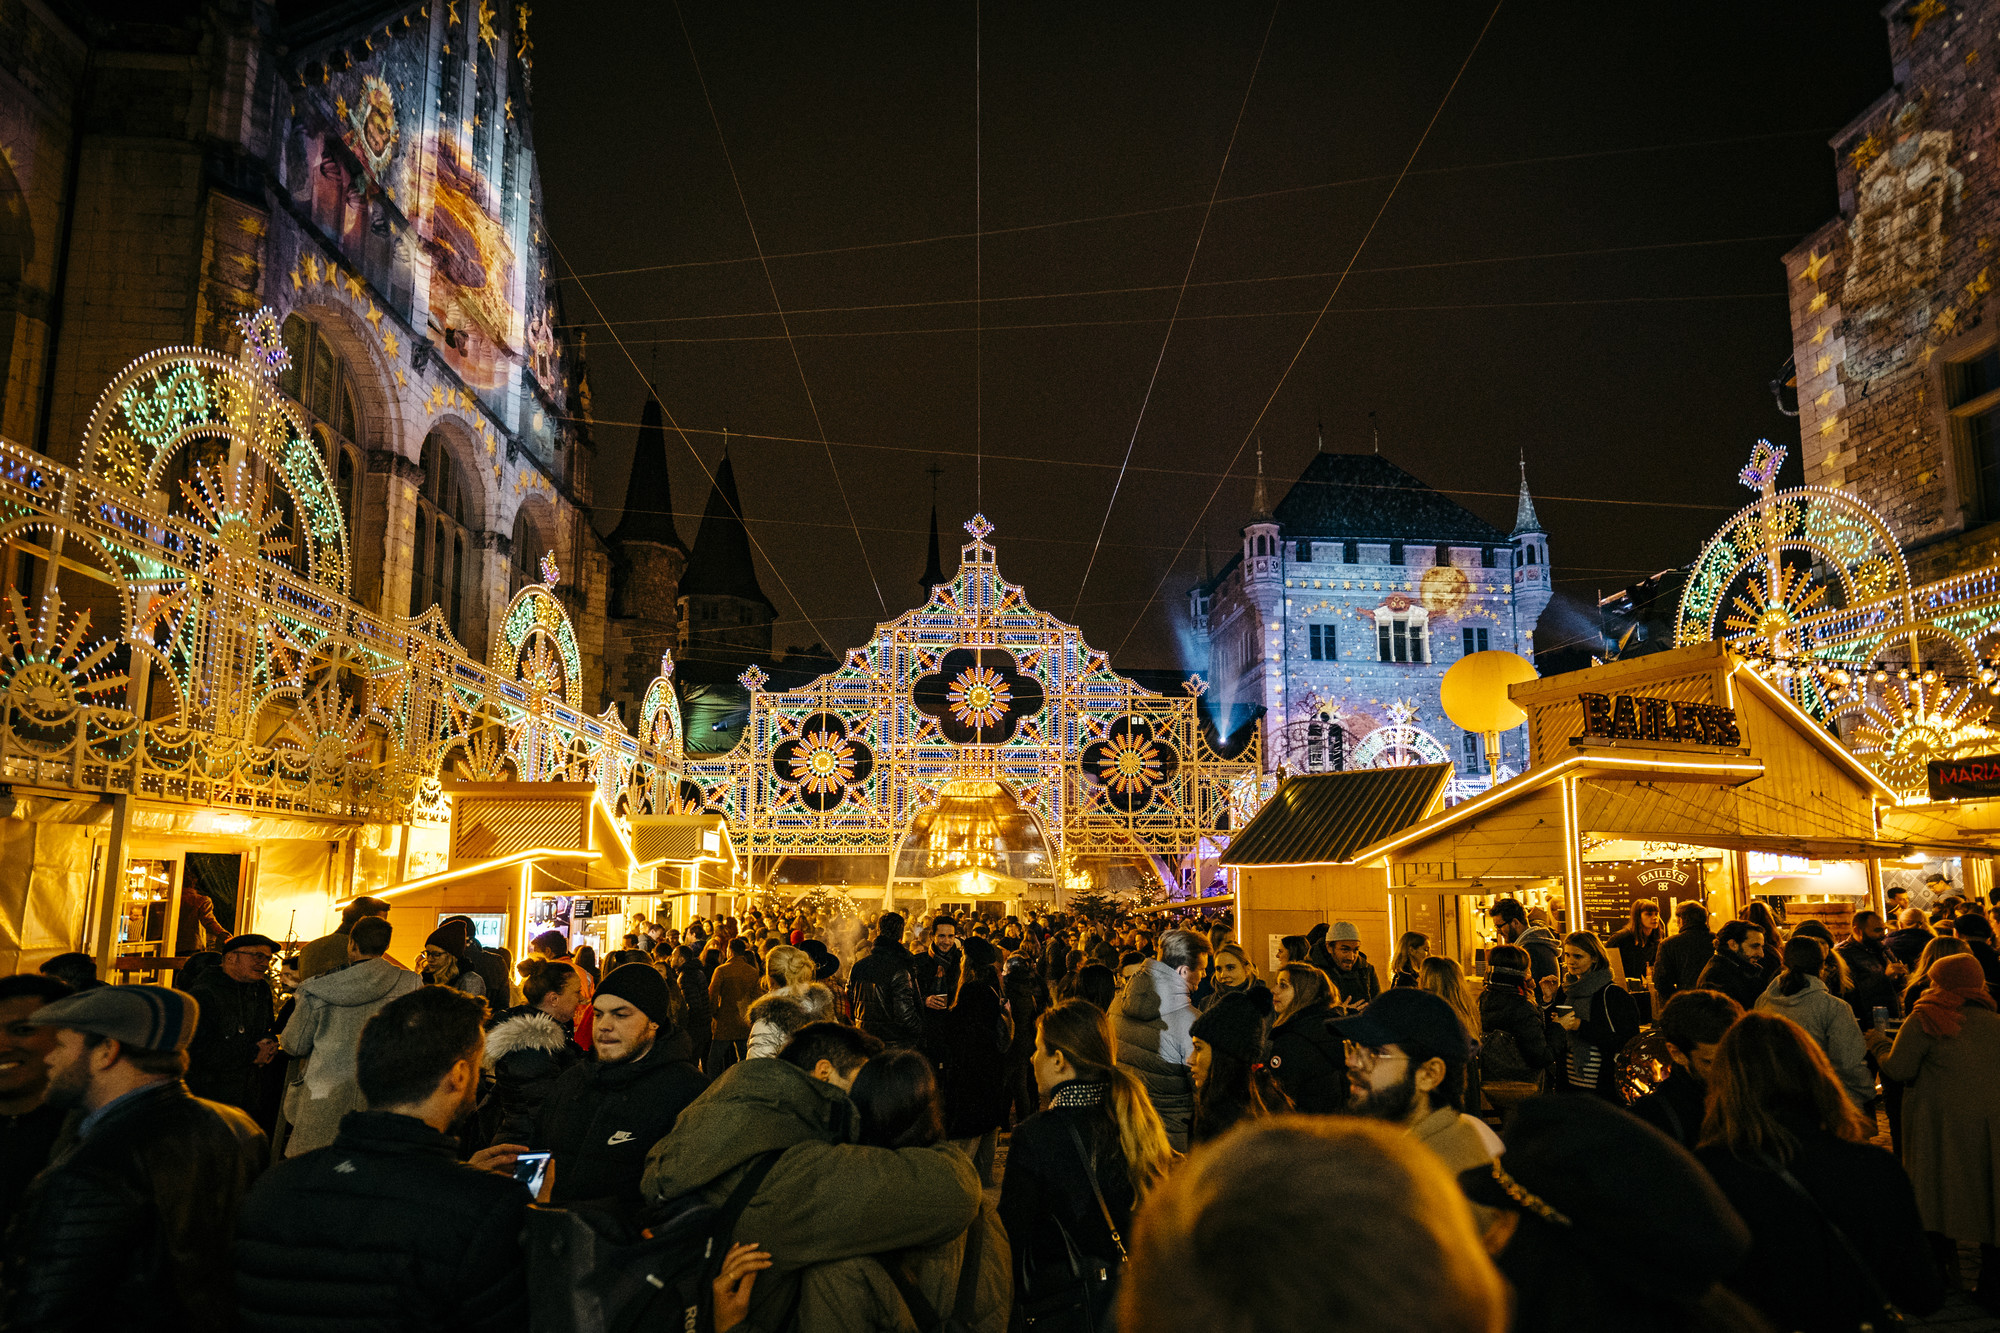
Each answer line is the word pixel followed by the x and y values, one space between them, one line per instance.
pixel 649 498
pixel 934 567
pixel 1260 503
pixel 1525 519
pixel 720 565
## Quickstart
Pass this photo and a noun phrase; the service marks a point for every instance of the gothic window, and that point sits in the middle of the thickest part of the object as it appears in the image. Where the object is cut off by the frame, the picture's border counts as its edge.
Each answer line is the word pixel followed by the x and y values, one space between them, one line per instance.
pixel 438 572
pixel 1475 638
pixel 322 383
pixel 1530 555
pixel 1486 557
pixel 1401 638
pixel 1322 642
pixel 1473 763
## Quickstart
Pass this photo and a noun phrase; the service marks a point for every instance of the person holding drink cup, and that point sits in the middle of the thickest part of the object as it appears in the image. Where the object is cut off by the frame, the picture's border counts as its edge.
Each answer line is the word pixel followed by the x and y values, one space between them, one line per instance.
pixel 1596 1018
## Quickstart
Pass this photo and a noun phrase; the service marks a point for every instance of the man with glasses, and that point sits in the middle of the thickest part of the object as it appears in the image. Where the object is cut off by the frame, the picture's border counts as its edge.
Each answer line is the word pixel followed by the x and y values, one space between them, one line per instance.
pixel 1406 1055
pixel 237 1032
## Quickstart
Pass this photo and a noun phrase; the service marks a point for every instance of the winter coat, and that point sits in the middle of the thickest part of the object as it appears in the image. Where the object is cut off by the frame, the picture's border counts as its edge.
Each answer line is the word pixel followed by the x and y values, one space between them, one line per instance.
pixel 977 1033
pixel 1797 1273
pixel 884 985
pixel 326 954
pixel 1544 953
pixel 382 1230
pixel 1047 1182
pixel 1611 1022
pixel 600 1120
pixel 1454 1136
pixel 1681 960
pixel 1636 954
pixel 1152 1020
pixel 1505 1010
pixel 494 968
pixel 235 1016
pixel 1355 985
pixel 692 983
pixel 1908 944
pixel 129 1228
pixel 1675 1108
pixel 1868 969
pixel 936 977
pixel 1309 1062
pixel 730 992
pixel 1951 1123
pixel 1735 976
pixel 1828 1020
pixel 526 1052
pixel 859 1295
pixel 828 1200
pixel 325 1033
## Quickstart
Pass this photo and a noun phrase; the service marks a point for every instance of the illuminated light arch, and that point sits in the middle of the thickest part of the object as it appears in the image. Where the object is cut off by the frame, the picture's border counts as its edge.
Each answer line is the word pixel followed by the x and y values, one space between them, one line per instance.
pixel 535 613
pixel 1397 745
pixel 168 398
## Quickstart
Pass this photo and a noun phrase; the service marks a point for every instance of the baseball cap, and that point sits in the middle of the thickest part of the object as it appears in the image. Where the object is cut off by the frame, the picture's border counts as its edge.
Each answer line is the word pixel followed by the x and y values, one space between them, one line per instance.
pixel 1421 1023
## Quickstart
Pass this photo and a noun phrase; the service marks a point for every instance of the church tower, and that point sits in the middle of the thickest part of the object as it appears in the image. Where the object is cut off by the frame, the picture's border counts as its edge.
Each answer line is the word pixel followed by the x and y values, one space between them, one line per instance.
pixel 725 618
pixel 1533 585
pixel 647 561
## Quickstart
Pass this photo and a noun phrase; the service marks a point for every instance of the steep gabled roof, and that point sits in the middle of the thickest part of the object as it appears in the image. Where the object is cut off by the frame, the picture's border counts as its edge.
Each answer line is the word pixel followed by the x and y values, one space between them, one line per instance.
pixel 1366 497
pixel 649 497
pixel 1320 818
pixel 720 565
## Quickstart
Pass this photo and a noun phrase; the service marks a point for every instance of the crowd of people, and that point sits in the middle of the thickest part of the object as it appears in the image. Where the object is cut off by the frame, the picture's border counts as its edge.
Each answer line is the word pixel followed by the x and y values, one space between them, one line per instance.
pixel 795 1121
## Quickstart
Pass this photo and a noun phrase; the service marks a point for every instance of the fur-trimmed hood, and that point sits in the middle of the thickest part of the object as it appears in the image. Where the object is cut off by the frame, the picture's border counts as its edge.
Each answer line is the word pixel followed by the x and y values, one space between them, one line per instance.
pixel 524 1030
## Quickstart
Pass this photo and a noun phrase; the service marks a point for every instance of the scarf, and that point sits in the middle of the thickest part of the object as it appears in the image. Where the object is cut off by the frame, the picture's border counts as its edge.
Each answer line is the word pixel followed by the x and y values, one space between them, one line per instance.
pixel 1955 981
pixel 1511 978
pixel 1585 1059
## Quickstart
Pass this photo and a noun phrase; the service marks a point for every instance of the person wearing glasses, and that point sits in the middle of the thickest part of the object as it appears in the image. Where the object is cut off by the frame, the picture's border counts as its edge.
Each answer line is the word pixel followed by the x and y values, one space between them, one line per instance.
pixel 1406 1055
pixel 236 1034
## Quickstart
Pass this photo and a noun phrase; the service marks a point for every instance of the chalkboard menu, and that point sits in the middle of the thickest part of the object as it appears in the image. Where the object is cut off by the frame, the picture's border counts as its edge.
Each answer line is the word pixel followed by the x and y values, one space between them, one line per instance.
pixel 1609 888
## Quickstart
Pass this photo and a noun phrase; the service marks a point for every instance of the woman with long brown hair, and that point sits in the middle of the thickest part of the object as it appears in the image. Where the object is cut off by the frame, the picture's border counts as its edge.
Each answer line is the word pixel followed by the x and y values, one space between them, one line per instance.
pixel 1443 977
pixel 1077 1171
pixel 1598 1015
pixel 1833 1221
pixel 1309 1062
pixel 1411 951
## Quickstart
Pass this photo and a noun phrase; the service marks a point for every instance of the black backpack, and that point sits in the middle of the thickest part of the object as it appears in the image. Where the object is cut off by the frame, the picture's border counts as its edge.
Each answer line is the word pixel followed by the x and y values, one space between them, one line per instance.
pixel 593 1272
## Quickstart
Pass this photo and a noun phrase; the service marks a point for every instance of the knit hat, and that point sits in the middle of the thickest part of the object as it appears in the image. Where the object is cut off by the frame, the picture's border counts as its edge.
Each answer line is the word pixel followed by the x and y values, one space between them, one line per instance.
pixel 451 939
pixel 1237 1024
pixel 979 953
pixel 642 985
pixel 146 1018
pixel 1579 1164
pixel 1343 930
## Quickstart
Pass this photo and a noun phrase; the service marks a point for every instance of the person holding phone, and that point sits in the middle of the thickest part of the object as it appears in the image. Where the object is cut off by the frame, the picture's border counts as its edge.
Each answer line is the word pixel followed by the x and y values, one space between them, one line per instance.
pixel 1596 1017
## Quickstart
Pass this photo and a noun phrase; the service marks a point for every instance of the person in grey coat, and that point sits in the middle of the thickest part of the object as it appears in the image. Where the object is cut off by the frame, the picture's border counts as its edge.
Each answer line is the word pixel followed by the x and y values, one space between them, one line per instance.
pixel 325 1033
pixel 1799 994
pixel 1153 1020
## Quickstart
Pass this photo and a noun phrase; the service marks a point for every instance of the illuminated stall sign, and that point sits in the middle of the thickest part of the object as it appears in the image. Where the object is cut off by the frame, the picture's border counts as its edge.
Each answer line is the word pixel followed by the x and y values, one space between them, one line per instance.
pixel 1632 717
pixel 1958 779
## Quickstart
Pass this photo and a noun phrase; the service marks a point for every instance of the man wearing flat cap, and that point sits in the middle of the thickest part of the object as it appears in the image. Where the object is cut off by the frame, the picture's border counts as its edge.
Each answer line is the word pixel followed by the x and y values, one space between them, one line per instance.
pixel 130 1224
pixel 604 1115
pixel 238 1031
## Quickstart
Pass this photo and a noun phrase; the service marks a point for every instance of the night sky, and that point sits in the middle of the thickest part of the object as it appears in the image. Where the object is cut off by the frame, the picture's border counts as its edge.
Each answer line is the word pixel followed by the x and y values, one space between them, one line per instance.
pixel 1582 264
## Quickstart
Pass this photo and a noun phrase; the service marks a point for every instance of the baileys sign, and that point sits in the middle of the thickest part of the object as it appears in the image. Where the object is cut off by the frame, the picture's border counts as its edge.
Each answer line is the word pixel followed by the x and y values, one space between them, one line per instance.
pixel 1634 717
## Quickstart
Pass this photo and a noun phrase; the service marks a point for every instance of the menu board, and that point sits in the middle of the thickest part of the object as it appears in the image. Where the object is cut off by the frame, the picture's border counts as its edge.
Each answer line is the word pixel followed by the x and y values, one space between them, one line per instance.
pixel 1609 888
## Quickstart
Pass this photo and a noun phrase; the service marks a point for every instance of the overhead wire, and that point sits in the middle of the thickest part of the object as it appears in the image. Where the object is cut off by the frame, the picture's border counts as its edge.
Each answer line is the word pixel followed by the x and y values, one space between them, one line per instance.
pixel 1187 276
pixel 1366 236
pixel 799 364
pixel 978 263
pixel 1681 146
pixel 665 411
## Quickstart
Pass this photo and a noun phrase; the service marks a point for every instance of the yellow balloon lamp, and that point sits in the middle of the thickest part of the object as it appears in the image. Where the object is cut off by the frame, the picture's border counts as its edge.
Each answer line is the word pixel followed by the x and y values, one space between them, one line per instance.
pixel 1474 695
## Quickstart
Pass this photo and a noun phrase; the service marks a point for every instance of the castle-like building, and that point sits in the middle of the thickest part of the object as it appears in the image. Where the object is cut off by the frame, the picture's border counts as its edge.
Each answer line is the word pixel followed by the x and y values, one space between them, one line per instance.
pixel 1346 604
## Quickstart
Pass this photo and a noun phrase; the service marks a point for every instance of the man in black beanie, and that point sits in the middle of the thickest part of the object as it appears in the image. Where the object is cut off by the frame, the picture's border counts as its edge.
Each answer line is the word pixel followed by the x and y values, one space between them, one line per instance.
pixel 603 1116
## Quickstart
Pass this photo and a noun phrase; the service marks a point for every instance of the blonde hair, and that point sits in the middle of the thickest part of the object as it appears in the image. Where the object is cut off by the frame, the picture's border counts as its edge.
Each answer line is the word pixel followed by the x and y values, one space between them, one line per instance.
pixel 1240 954
pixel 1082 1033
pixel 789 968
pixel 1443 976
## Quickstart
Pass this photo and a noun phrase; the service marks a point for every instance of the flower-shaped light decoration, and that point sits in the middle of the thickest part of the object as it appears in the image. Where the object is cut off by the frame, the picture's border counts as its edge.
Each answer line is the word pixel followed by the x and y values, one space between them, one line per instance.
pixel 753 679
pixel 822 762
pixel 1130 763
pixel 1762 469
pixel 979 526
pixel 978 696
pixel 263 342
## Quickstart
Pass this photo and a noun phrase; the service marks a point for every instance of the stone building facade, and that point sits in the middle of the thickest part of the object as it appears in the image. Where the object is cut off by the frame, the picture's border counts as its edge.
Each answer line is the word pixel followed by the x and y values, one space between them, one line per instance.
pixel 1346 604
pixel 367 171
pixel 1895 339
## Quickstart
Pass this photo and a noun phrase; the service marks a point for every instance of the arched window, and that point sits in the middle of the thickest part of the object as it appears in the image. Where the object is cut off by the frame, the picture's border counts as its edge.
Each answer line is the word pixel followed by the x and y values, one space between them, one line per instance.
pixel 527 555
pixel 319 381
pixel 438 572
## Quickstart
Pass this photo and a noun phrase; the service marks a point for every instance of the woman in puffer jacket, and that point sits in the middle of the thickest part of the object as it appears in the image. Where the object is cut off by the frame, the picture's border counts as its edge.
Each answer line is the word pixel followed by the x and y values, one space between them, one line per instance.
pixel 528 1047
pixel 1800 994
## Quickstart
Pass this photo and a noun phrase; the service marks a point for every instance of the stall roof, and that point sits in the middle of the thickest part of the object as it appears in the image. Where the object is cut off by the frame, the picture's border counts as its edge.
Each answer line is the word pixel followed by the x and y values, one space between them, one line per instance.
pixel 1319 818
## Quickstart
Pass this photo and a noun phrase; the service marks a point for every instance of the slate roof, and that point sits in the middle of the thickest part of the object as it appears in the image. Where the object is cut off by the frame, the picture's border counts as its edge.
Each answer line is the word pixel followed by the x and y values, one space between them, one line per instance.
pixel 649 497
pixel 1365 497
pixel 1317 818
pixel 720 565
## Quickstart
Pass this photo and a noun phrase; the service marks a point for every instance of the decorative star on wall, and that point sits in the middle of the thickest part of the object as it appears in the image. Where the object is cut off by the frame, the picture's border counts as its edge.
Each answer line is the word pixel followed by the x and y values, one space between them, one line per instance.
pixel 1813 265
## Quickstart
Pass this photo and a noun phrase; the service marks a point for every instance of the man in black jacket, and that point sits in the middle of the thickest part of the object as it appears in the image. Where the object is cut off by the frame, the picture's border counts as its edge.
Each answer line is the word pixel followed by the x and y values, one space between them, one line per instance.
pixel 937 982
pixel 128 1227
pixel 603 1116
pixel 1682 958
pixel 385 1227
pixel 238 1032
pixel 1737 969
pixel 1877 974
pixel 883 984
pixel 1692 1024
